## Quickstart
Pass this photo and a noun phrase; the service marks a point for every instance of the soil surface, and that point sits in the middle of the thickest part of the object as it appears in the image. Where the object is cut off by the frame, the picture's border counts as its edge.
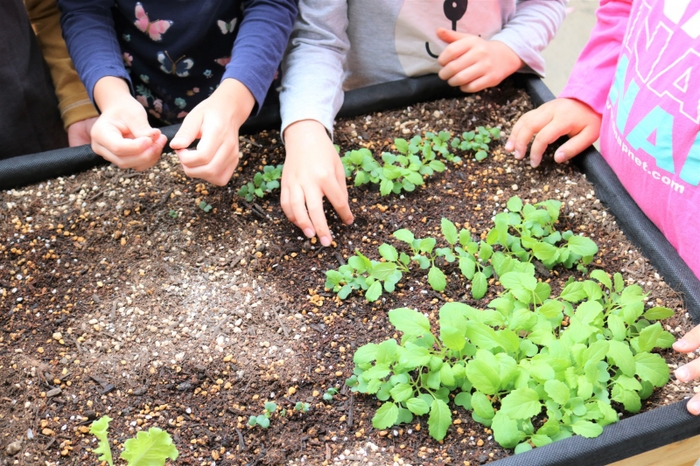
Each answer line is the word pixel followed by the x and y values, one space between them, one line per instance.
pixel 120 295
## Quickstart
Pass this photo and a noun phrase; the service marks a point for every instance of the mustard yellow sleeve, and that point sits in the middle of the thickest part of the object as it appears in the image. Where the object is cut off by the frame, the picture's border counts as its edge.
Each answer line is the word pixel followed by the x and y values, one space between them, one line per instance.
pixel 73 100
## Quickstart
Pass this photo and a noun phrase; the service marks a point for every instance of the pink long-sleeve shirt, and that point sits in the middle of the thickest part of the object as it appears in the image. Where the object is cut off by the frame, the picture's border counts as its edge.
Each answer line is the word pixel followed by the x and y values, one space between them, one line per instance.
pixel 641 71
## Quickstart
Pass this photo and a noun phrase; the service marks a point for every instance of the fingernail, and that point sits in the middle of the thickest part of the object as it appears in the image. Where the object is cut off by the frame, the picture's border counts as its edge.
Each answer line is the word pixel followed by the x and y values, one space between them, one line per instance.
pixel 309 232
pixel 694 407
pixel 509 146
pixel 680 345
pixel 517 155
pixel 349 222
pixel 325 241
pixel 559 156
pixel 682 374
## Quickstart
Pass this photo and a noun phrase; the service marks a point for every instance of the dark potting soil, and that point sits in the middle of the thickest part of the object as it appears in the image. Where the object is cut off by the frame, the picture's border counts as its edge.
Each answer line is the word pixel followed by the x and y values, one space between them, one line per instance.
pixel 121 293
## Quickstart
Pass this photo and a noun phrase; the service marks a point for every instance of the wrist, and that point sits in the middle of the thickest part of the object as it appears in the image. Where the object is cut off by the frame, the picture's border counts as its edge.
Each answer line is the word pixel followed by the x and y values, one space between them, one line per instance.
pixel 303 129
pixel 109 91
pixel 511 60
pixel 238 94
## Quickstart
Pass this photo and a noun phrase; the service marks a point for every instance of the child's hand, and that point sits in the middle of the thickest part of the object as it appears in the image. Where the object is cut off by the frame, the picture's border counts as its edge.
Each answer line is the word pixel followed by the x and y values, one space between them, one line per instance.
pixel 472 63
pixel 690 342
pixel 79 132
pixel 312 170
pixel 215 122
pixel 550 121
pixel 121 133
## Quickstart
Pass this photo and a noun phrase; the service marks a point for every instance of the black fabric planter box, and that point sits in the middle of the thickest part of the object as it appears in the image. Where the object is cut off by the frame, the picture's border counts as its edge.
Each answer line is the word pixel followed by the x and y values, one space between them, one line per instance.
pixel 630 437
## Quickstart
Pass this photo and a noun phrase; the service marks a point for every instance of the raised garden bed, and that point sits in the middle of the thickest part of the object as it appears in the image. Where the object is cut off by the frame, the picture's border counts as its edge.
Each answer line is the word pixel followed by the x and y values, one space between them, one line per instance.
pixel 126 294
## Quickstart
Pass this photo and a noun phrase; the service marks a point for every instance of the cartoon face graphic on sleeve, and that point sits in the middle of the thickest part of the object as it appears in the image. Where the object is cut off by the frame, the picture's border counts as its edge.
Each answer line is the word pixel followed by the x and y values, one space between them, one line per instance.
pixel 417 44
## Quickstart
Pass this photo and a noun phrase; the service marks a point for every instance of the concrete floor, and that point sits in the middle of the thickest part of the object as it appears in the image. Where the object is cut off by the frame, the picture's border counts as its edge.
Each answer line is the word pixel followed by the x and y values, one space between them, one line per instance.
pixel 562 52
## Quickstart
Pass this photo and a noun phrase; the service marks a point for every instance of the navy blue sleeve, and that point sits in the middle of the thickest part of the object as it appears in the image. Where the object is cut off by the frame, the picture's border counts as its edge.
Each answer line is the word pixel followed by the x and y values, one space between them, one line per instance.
pixel 88 29
pixel 260 44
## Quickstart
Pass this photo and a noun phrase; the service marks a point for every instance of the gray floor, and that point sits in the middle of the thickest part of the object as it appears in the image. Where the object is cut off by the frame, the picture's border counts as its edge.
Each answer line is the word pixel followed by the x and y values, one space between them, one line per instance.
pixel 562 52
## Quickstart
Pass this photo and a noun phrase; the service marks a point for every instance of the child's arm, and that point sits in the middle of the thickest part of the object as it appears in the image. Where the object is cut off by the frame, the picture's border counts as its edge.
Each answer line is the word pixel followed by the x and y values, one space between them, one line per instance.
pixel 531 29
pixel 76 109
pixel 473 63
pixel 577 113
pixel 121 134
pixel 312 94
pixel 256 54
pixel 690 342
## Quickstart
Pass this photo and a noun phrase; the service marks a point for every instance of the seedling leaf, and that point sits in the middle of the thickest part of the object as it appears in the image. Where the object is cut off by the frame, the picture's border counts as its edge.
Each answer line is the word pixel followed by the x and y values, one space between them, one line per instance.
pixel 385 416
pixel 149 448
pixel 99 429
pixel 440 419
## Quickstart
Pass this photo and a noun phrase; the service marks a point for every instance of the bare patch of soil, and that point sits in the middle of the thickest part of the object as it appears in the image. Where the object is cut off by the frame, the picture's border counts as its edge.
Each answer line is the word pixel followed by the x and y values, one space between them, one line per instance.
pixel 119 295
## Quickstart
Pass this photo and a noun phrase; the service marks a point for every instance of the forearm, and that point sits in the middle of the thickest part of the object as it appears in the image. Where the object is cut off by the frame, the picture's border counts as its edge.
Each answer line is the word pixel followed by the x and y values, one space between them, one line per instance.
pixel 89 33
pixel 593 73
pixel 260 44
pixel 531 28
pixel 313 69
pixel 73 101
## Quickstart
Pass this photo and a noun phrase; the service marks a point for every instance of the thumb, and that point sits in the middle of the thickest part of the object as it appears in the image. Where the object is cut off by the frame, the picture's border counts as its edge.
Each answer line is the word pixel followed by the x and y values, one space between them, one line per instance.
pixel 189 131
pixel 449 36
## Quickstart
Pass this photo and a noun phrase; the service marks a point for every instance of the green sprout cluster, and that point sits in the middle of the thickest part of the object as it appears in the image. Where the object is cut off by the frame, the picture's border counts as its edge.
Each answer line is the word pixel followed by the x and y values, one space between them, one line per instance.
pixel 520 235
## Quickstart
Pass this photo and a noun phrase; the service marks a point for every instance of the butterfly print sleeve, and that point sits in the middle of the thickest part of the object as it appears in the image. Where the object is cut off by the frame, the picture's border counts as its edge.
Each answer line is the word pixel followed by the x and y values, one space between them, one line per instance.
pixel 92 41
pixel 260 44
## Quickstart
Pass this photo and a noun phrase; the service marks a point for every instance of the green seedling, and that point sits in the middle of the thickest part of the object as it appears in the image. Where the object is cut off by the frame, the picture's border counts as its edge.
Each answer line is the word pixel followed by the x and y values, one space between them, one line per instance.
pixel 263 420
pixel 302 407
pixel 173 213
pixel 149 448
pixel 477 141
pixel 263 183
pixel 528 231
pixel 520 235
pixel 330 393
pixel 372 277
pixel 528 356
pixel 204 206
pixel 416 159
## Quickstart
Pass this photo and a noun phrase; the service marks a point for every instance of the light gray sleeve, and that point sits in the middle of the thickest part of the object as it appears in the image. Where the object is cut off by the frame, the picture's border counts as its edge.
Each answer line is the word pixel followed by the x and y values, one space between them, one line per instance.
pixel 313 69
pixel 531 28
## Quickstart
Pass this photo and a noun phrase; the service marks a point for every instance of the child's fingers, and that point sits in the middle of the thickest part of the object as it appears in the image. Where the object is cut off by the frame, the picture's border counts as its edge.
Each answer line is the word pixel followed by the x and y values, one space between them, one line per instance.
pixel 342 207
pixel 546 136
pixel 298 206
pixel 286 203
pixel 218 168
pixel 454 49
pixel 146 156
pixel 314 205
pixel 462 71
pixel 523 131
pixel 480 83
pixel 689 371
pixel 689 342
pixel 449 36
pixel 337 195
pixel 577 144
pixel 190 130
pixel 694 405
